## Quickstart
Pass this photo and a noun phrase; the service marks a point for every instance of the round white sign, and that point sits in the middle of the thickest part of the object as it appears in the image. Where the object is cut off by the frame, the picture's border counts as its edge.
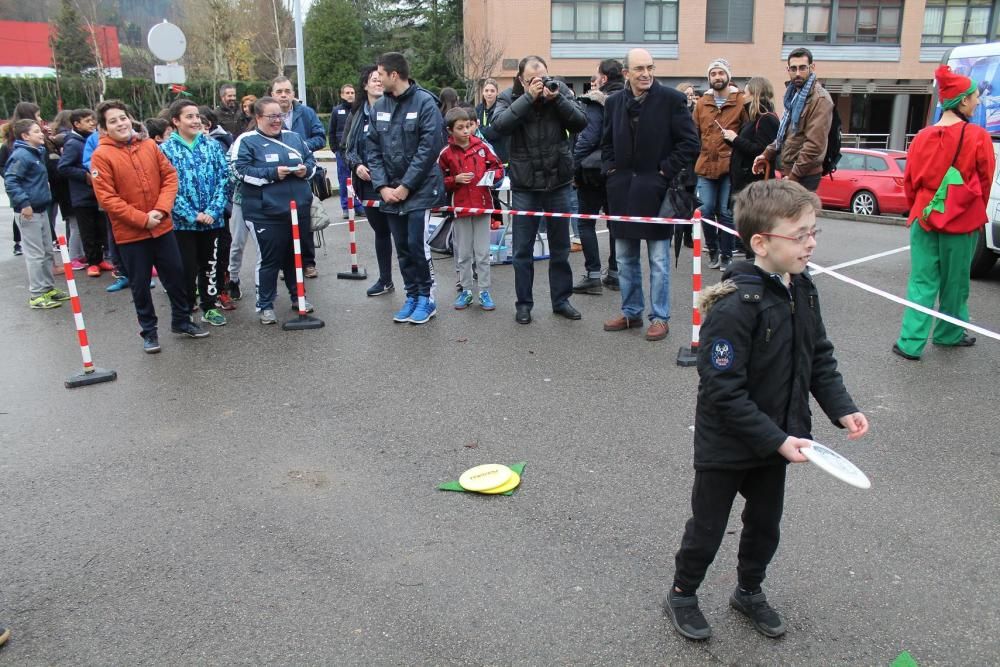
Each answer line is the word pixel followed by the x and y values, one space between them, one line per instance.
pixel 166 41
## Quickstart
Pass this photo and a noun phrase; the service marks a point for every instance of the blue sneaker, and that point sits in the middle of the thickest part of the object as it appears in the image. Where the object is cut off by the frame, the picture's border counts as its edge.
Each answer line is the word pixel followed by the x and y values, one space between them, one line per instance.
pixel 406 311
pixel 464 300
pixel 425 310
pixel 486 301
pixel 120 283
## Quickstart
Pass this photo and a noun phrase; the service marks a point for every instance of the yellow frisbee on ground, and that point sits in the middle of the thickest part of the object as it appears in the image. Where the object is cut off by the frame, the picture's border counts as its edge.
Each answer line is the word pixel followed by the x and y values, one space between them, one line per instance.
pixel 511 484
pixel 485 477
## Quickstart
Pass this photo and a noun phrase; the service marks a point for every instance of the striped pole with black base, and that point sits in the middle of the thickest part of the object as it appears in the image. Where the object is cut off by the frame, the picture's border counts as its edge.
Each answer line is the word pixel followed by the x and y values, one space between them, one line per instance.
pixel 356 272
pixel 90 373
pixel 689 356
pixel 304 320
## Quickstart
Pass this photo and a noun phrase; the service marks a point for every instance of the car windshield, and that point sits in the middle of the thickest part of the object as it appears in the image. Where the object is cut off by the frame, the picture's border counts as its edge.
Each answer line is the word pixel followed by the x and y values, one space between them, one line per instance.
pixel 901 161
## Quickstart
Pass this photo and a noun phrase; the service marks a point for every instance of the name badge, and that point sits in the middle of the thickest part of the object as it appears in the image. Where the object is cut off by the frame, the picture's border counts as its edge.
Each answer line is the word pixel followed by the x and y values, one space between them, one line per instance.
pixel 293 156
pixel 271 157
pixel 383 115
pixel 412 115
pixel 366 128
pixel 341 112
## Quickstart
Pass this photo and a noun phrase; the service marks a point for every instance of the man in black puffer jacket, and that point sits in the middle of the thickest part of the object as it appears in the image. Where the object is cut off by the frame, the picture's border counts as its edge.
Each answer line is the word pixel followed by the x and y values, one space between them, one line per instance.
pixel 539 121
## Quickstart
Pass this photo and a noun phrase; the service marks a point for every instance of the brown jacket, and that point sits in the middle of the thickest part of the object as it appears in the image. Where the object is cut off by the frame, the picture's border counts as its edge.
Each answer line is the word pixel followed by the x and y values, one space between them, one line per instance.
pixel 130 180
pixel 713 161
pixel 803 152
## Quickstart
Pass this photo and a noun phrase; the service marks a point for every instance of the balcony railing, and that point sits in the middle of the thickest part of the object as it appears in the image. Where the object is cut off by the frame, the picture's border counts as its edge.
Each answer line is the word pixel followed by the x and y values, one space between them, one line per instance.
pixel 872 141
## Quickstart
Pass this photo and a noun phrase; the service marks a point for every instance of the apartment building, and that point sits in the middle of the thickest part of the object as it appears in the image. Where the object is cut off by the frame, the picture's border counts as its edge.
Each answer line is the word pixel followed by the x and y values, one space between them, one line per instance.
pixel 876 57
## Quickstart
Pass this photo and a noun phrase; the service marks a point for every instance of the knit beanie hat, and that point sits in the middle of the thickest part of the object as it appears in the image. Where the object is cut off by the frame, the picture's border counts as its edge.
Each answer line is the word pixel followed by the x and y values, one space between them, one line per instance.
pixel 952 87
pixel 720 63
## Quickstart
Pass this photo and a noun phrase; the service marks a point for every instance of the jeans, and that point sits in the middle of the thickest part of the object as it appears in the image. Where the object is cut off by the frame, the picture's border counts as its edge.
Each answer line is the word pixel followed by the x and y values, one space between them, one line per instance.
pixel 811 183
pixel 524 234
pixel 711 501
pixel 138 259
pixel 409 231
pixel 714 195
pixel 630 278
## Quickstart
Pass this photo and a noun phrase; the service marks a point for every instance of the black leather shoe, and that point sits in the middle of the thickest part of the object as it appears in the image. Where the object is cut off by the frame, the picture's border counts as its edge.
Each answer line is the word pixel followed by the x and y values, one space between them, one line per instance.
pixel 967 341
pixel 567 311
pixel 523 315
pixel 898 352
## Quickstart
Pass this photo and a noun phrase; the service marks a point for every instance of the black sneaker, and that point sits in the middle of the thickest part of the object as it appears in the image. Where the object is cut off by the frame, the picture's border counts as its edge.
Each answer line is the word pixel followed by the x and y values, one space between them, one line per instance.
pixel 713 259
pixel 686 616
pixel 588 286
pixel 755 607
pixel 379 288
pixel 150 344
pixel 724 262
pixel 234 290
pixel 611 281
pixel 190 329
pixel 17 249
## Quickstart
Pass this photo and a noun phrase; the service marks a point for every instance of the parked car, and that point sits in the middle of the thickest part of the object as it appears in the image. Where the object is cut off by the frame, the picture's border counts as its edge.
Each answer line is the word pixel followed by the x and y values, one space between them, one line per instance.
pixel 866 182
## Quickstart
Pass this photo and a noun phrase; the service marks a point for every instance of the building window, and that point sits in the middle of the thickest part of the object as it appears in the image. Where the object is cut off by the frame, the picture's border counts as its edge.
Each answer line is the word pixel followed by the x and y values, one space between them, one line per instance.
pixel 660 21
pixel 729 21
pixel 845 21
pixel 602 21
pixel 807 21
pixel 860 21
pixel 956 21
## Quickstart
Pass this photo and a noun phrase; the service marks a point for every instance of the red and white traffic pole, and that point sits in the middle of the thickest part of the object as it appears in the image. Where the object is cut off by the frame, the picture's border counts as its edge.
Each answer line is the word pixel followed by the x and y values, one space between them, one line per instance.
pixel 689 356
pixel 356 273
pixel 90 373
pixel 304 320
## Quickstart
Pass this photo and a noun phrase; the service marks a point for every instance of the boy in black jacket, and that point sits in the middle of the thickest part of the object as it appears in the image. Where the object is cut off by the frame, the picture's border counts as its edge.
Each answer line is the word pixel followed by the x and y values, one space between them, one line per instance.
pixel 763 349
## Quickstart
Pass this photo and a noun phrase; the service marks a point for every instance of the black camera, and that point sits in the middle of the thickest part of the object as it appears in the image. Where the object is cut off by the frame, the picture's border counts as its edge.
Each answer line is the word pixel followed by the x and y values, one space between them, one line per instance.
pixel 551 83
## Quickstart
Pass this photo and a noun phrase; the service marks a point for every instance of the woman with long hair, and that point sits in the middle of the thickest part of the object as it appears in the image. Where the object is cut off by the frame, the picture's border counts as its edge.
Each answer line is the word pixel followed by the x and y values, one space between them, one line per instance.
pixel 949 171
pixel 355 152
pixel 484 114
pixel 755 135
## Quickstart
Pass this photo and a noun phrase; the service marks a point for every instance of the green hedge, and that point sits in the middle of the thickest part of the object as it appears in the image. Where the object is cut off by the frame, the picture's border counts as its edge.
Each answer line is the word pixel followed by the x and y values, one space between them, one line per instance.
pixel 145 97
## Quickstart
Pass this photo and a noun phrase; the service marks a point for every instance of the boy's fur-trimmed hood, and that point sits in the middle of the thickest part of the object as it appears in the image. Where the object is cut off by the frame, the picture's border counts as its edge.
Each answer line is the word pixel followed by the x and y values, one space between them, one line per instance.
pixel 711 295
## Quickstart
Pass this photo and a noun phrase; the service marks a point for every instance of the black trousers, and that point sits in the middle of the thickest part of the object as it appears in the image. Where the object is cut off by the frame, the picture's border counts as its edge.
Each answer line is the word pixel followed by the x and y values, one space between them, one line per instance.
pixel 593 201
pixel 200 255
pixel 138 259
pixel 93 232
pixel 307 241
pixel 711 502
pixel 383 242
pixel 275 252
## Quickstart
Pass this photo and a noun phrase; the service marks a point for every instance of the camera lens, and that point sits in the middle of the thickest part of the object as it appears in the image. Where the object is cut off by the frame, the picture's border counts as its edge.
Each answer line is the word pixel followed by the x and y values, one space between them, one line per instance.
pixel 552 85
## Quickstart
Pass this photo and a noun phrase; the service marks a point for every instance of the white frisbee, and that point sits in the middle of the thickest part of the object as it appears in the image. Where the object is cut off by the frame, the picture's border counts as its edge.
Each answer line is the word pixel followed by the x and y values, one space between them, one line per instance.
pixel 835 464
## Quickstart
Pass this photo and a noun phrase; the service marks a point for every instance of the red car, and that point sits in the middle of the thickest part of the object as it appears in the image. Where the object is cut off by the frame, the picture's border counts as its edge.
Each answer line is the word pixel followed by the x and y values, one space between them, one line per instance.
pixel 867 182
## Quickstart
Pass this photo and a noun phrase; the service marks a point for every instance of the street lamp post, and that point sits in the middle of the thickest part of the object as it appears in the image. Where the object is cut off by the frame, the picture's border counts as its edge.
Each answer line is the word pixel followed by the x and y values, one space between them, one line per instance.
pixel 300 57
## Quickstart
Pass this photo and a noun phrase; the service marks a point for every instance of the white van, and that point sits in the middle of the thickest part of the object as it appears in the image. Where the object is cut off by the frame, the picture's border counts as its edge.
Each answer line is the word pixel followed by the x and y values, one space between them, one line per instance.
pixel 981 62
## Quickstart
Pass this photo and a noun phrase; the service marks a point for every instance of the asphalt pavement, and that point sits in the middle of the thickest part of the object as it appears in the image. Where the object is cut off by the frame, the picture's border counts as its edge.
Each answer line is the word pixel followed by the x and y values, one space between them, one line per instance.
pixel 269 497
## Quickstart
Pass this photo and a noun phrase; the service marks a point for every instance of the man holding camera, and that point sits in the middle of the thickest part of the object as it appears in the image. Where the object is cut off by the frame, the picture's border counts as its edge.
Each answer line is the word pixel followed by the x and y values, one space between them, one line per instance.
pixel 539 115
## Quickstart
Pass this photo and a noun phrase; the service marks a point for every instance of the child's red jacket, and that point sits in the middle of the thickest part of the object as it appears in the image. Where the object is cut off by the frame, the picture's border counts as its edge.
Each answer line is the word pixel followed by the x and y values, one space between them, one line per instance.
pixel 478 158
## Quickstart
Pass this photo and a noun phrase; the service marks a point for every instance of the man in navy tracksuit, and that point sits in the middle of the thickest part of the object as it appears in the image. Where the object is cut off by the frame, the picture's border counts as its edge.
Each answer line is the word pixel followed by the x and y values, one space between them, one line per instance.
pixel 302 120
pixel 403 145
pixel 340 117
pixel 274 166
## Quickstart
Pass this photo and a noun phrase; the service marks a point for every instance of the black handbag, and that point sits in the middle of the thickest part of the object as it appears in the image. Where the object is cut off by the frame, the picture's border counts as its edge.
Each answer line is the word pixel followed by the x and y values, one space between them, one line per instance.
pixel 321 187
pixel 678 202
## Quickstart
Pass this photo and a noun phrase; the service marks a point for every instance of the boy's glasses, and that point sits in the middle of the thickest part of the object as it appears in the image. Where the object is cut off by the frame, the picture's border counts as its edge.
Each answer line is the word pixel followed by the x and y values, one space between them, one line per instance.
pixel 801 239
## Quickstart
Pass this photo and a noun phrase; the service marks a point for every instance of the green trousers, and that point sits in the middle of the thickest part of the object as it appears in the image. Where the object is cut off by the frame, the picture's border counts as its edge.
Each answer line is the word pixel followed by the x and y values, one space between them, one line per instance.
pixel 939 272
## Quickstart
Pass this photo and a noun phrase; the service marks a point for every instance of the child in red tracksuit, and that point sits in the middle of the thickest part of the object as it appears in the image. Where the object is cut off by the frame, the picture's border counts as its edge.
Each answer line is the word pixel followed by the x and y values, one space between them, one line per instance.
pixel 465 161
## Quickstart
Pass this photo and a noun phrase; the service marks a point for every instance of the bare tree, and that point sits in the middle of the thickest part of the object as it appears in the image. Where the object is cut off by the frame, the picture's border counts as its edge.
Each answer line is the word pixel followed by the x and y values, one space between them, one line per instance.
pixel 88 10
pixel 474 59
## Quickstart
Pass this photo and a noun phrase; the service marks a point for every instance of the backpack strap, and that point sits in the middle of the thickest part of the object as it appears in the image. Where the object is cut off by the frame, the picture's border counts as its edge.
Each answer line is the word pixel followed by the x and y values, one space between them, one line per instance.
pixel 961 138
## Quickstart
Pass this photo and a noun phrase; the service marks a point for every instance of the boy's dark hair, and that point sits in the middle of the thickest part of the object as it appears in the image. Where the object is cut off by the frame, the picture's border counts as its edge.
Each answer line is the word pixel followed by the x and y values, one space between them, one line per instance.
pixel 105 107
pixel 208 115
pixel 22 127
pixel 177 107
pixel 76 115
pixel 612 69
pixel 156 127
pixel 394 62
pixel 762 205
pixel 456 114
pixel 258 106
pixel 800 52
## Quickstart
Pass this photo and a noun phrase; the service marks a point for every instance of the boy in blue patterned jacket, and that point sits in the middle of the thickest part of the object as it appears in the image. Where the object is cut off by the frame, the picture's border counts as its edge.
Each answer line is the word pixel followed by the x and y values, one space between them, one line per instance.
pixel 204 188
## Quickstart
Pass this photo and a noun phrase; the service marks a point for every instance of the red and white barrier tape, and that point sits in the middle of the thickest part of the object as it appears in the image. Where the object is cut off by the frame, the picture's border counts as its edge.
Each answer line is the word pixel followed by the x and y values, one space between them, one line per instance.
pixel 81 329
pixel 369 203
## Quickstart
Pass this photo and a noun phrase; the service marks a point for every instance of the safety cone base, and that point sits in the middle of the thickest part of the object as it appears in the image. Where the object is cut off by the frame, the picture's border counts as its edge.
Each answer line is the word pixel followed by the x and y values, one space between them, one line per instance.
pixel 303 322
pixel 97 376
pixel 687 356
pixel 360 274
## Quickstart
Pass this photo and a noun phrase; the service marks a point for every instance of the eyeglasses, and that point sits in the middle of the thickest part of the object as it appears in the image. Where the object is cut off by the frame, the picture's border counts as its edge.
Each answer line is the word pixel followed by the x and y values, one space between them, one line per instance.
pixel 801 239
pixel 792 69
pixel 274 117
